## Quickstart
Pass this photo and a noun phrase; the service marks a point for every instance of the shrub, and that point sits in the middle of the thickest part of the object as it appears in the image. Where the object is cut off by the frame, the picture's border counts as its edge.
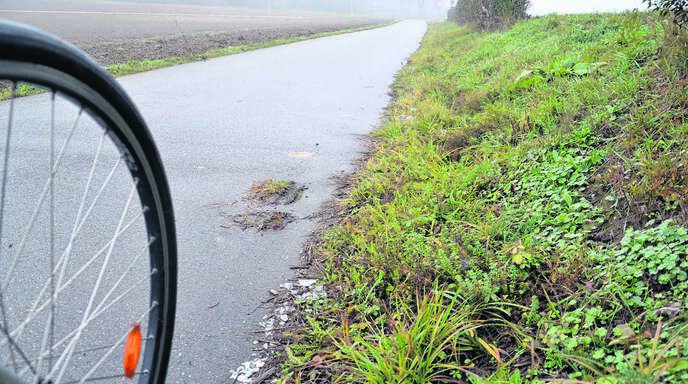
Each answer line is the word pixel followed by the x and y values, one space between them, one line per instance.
pixel 488 14
pixel 677 8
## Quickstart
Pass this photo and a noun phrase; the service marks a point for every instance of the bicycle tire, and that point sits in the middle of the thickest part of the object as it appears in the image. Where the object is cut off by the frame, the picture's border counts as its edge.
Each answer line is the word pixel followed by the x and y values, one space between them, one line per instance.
pixel 30 56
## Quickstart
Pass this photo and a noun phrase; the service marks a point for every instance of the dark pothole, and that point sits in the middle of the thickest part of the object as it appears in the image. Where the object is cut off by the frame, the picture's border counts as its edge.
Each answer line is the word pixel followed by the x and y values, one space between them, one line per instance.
pixel 259 220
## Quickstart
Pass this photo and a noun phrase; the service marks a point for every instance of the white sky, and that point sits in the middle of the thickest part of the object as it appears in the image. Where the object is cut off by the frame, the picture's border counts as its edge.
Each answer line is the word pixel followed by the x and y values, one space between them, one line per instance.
pixel 543 7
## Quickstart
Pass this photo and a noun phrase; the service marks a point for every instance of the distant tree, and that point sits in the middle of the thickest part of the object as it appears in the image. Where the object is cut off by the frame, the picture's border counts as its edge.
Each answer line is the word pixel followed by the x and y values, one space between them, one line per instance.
pixel 677 8
pixel 488 14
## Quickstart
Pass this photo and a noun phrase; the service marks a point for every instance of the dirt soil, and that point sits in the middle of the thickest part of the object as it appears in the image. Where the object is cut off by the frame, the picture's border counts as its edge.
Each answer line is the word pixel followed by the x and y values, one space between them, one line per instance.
pixel 119 51
pixel 116 32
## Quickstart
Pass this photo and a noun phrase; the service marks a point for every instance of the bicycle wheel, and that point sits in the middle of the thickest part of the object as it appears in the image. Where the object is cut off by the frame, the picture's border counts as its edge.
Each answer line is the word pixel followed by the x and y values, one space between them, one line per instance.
pixel 84 201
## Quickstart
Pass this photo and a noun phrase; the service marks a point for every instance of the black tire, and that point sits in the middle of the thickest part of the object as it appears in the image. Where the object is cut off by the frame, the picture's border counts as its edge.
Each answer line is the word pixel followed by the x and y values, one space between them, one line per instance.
pixel 30 56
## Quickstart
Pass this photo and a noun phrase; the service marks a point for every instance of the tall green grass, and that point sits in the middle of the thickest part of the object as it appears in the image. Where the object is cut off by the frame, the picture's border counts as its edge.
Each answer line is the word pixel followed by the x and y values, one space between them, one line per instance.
pixel 523 217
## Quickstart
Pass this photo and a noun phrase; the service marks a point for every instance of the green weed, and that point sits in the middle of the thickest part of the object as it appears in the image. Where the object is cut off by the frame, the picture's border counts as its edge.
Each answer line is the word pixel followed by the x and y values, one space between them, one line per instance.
pixel 437 343
pixel 269 187
pixel 20 91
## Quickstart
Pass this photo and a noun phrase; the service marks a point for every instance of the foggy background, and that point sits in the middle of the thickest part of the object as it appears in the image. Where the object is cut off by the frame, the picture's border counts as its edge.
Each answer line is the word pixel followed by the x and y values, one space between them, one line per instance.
pixel 543 7
pixel 428 9
pixel 433 9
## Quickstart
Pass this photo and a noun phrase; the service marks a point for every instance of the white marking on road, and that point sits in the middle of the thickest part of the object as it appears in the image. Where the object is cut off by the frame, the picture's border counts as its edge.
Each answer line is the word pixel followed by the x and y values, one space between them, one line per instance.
pixel 110 13
pixel 301 155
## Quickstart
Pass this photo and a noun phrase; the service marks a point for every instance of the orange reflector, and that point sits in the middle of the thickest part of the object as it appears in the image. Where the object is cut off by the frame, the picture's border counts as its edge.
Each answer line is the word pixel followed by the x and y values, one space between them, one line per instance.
pixel 132 350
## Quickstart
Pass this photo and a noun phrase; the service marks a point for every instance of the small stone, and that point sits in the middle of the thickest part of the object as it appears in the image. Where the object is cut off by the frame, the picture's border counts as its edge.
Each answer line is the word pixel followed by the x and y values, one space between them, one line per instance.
pixel 307 282
pixel 284 318
pixel 672 310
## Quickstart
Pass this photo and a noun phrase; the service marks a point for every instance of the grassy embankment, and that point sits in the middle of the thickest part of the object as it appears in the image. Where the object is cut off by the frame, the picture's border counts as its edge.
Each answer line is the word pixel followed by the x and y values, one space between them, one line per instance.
pixel 136 66
pixel 523 217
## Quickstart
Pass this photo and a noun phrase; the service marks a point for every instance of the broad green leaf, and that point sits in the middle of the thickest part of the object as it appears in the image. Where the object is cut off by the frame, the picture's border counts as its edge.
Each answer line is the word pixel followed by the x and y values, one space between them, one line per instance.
pixel 582 69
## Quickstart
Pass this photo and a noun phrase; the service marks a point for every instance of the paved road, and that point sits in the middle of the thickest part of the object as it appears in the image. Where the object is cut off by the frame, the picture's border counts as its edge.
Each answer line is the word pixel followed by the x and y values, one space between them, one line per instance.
pixel 225 123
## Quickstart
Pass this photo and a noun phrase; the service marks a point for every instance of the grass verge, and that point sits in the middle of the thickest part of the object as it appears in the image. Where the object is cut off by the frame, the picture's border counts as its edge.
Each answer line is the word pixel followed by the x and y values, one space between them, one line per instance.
pixel 523 217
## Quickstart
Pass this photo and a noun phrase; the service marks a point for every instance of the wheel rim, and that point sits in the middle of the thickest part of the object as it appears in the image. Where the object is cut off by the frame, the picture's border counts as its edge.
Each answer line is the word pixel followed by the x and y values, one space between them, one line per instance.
pixel 100 229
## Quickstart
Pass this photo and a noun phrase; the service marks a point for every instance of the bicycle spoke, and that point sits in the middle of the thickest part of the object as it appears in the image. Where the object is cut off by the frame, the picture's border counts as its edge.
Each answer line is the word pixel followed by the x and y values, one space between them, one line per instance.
pixel 110 347
pixel 54 355
pixel 22 355
pixel 108 245
pixel 95 316
pixel 70 336
pixel 119 281
pixel 102 308
pixel 34 215
pixel 109 352
pixel 78 225
pixel 3 192
pixel 70 348
pixel 72 279
pixel 85 249
pixel 49 334
pixel 99 378
pixel 76 230
pixel 52 221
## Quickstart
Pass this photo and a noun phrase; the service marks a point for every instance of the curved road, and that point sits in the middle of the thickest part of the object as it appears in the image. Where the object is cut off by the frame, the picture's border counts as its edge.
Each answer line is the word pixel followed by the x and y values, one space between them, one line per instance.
pixel 295 112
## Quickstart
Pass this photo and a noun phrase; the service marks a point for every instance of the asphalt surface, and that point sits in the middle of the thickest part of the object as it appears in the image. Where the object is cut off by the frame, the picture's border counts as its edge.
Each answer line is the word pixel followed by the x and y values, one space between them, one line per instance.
pixel 299 112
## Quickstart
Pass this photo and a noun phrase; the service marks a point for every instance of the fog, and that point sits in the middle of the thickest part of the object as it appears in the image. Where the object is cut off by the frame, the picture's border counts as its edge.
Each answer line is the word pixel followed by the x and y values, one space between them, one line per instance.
pixel 543 7
pixel 381 8
pixel 430 9
pixel 408 8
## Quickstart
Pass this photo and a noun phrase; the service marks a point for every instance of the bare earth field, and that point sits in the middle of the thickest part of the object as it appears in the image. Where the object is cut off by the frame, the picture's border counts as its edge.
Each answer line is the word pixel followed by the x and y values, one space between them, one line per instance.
pixel 115 32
